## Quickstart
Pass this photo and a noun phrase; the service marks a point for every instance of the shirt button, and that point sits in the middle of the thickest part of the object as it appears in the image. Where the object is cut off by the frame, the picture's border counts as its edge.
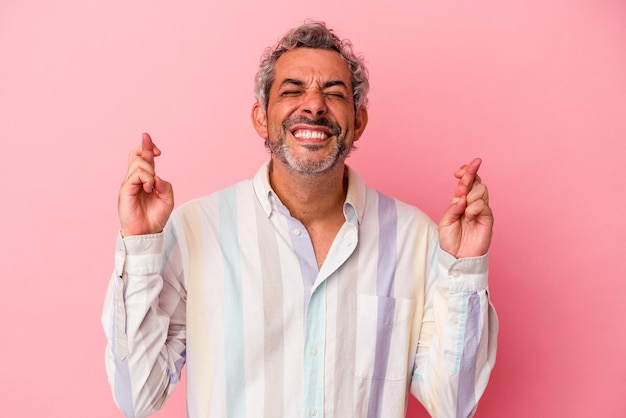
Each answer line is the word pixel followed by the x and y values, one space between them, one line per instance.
pixel 313 351
pixel 312 412
pixel 297 232
pixel 455 321
pixel 456 274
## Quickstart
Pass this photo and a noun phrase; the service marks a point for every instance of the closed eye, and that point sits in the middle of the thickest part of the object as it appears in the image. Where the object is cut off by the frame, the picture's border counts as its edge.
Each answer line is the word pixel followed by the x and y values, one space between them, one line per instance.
pixel 290 93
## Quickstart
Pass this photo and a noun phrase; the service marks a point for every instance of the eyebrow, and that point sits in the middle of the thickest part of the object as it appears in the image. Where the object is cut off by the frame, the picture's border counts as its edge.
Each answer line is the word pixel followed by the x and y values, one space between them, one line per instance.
pixel 333 83
pixel 292 81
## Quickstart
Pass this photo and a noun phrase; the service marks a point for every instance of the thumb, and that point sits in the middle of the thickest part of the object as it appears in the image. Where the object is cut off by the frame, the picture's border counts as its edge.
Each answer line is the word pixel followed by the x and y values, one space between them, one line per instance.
pixel 454 211
pixel 162 186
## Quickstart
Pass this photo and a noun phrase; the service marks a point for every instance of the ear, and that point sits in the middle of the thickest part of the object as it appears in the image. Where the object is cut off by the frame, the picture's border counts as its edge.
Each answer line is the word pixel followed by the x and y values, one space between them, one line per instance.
pixel 259 120
pixel 360 122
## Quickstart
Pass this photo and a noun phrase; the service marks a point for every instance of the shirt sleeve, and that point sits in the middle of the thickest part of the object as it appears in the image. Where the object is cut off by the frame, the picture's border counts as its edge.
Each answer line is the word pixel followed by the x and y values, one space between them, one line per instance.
pixel 457 344
pixel 144 323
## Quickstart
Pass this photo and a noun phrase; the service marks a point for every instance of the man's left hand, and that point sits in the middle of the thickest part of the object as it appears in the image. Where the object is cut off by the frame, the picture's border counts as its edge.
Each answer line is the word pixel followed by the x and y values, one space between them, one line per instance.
pixel 465 227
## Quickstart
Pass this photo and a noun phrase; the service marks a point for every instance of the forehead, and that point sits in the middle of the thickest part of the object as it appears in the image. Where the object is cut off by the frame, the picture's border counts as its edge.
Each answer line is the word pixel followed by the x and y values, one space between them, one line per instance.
pixel 309 64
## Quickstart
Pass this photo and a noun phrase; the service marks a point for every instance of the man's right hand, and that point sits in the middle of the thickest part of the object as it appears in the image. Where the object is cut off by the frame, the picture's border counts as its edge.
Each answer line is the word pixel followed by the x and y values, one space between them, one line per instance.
pixel 145 201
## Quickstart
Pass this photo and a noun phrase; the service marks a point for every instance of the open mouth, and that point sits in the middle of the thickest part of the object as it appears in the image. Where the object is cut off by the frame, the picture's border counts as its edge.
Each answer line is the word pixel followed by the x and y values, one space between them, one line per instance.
pixel 306 129
pixel 303 133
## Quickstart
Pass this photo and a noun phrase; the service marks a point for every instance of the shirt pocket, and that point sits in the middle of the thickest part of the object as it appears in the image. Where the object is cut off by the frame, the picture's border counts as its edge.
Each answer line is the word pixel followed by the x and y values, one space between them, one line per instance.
pixel 383 337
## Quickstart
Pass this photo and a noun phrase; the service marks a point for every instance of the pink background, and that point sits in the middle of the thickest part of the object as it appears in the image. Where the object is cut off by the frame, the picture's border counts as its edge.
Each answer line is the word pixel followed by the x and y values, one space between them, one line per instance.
pixel 535 87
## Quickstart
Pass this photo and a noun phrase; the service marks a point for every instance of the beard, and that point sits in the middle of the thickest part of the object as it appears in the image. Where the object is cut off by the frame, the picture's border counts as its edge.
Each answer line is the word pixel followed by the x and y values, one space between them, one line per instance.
pixel 309 165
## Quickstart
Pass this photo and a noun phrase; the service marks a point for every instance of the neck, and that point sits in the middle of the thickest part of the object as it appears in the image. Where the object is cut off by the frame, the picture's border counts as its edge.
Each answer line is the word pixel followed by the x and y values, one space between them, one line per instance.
pixel 310 198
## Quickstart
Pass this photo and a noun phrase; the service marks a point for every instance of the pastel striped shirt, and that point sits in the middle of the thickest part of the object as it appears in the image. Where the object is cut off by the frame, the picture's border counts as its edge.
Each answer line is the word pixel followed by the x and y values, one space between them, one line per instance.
pixel 232 289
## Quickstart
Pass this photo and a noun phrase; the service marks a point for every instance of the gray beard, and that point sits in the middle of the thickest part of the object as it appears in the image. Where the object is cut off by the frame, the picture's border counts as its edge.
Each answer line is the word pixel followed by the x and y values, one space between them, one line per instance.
pixel 306 166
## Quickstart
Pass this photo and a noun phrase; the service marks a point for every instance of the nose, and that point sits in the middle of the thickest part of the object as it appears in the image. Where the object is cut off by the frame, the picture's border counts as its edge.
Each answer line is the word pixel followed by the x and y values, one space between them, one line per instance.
pixel 314 104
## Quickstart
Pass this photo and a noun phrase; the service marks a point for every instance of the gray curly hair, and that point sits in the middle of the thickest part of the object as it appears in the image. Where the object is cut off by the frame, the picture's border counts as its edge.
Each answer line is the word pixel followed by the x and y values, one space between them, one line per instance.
pixel 312 35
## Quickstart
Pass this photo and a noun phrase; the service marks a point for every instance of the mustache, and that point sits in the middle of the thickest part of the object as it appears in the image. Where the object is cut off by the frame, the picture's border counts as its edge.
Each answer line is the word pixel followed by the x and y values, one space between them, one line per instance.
pixel 323 122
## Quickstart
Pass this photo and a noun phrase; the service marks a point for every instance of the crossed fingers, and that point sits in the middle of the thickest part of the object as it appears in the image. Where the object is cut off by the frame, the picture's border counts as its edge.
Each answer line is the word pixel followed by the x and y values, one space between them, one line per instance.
pixel 471 189
pixel 141 164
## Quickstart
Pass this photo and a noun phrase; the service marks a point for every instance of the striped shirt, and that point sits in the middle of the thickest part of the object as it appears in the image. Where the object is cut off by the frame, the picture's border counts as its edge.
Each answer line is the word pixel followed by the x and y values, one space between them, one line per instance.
pixel 232 289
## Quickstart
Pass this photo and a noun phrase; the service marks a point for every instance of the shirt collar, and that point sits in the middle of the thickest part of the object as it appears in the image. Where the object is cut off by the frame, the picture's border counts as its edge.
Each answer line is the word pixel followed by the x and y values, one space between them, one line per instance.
pixel 352 209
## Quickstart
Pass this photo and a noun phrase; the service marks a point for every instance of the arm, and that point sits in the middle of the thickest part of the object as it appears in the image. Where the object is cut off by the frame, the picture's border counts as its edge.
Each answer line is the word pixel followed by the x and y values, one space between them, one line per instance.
pixel 457 345
pixel 144 315
pixel 144 322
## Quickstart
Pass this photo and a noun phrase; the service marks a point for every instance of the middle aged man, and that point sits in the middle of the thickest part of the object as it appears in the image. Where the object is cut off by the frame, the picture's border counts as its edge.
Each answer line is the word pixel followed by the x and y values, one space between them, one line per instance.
pixel 301 292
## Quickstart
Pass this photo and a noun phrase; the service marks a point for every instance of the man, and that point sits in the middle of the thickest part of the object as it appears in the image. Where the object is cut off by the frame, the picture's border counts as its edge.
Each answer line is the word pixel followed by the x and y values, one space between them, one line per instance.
pixel 301 292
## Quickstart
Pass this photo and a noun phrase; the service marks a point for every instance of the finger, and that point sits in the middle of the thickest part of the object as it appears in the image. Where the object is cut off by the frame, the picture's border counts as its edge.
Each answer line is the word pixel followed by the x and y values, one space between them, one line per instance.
pixel 479 208
pixel 140 164
pixel 147 143
pixel 466 175
pixel 479 191
pixel 147 148
pixel 473 167
pixel 138 150
pixel 141 152
pixel 460 171
pixel 466 185
pixel 164 189
pixel 141 178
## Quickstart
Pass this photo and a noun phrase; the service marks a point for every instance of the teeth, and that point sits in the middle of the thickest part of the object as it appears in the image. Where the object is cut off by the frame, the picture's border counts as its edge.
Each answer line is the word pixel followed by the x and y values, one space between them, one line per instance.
pixel 304 134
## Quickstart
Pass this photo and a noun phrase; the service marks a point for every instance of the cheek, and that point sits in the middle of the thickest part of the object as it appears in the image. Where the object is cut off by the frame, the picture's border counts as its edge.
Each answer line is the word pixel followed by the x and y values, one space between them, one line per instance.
pixel 343 112
pixel 276 126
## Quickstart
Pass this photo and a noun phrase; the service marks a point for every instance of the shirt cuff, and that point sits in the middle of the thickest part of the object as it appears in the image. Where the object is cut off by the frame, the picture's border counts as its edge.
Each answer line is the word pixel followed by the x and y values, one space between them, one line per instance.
pixel 463 274
pixel 138 254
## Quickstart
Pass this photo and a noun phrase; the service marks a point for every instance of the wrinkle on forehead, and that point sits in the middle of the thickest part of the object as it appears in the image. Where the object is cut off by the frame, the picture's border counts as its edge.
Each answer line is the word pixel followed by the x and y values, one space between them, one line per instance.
pixel 307 67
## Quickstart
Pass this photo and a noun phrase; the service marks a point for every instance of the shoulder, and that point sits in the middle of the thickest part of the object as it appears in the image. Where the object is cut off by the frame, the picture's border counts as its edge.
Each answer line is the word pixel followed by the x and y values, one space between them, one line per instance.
pixel 405 212
pixel 212 201
pixel 371 203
